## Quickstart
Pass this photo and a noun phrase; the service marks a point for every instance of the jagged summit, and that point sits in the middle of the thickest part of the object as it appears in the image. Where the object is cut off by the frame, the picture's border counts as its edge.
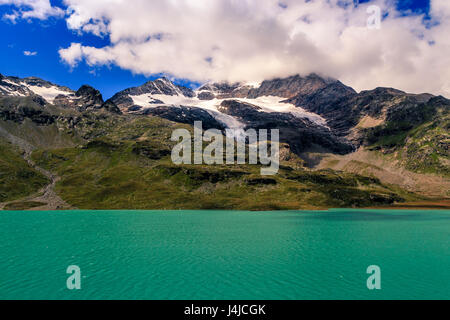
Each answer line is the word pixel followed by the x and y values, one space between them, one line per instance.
pixel 85 98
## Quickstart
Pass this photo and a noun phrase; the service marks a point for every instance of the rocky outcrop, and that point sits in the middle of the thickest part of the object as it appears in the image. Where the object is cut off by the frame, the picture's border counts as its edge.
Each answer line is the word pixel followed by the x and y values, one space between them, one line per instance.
pixel 237 108
pixel 291 86
pixel 187 115
pixel 111 107
pixel 18 109
pixel 206 95
pixel 90 98
pixel 300 134
pixel 85 99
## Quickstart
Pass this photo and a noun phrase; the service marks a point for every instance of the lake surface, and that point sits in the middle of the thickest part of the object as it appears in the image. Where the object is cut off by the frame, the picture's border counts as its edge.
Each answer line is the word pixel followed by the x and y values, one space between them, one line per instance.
pixel 225 254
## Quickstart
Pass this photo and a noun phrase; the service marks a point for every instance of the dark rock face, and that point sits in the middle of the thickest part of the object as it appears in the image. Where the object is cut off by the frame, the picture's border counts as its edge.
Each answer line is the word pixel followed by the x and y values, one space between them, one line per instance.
pixel 38 100
pixel 121 100
pixel 329 102
pixel 187 92
pixel 85 99
pixel 90 97
pixel 134 108
pixel 321 100
pixel 206 95
pixel 290 87
pixel 300 134
pixel 252 181
pixel 18 109
pixel 237 108
pixel 155 101
pixel 343 108
pixel 111 107
pixel 186 115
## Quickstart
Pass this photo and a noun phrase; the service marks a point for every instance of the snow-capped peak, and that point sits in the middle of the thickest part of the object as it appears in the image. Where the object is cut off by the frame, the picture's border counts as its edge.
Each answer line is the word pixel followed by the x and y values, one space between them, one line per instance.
pixel 12 86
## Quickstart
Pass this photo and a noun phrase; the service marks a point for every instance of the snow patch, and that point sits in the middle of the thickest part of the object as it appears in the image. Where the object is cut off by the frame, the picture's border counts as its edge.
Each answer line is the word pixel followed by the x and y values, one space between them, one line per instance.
pixel 211 106
pixel 48 93
pixel 274 104
pixel 269 104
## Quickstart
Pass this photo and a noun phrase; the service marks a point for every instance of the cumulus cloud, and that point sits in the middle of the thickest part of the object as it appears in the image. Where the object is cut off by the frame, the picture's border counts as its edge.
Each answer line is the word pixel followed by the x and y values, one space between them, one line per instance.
pixel 29 9
pixel 30 53
pixel 252 40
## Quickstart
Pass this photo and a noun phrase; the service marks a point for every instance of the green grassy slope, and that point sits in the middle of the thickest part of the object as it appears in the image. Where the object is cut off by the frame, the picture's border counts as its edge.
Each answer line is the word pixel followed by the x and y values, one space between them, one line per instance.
pixel 17 178
pixel 130 168
pixel 419 138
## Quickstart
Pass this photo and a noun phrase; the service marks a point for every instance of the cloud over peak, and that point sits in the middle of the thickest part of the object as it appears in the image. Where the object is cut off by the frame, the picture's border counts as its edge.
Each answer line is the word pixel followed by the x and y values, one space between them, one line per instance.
pixel 252 40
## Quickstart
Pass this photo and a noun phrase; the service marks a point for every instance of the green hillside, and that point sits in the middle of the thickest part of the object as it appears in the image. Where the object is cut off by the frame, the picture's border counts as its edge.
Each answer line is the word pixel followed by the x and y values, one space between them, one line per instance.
pixel 130 168
pixel 418 137
pixel 17 178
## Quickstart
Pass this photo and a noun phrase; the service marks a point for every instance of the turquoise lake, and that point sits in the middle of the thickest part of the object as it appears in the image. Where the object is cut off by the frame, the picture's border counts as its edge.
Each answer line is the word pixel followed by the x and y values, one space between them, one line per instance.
pixel 225 254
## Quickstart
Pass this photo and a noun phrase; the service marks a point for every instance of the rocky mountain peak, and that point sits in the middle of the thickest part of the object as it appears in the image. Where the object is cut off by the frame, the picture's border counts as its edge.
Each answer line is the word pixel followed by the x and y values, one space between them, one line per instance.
pixel 160 87
pixel 291 86
pixel 165 80
pixel 91 93
pixel 223 90
pixel 384 91
pixel 281 87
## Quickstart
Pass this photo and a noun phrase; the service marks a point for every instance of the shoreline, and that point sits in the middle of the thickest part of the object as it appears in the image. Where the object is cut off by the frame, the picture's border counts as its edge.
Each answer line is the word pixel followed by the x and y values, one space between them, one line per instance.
pixel 443 204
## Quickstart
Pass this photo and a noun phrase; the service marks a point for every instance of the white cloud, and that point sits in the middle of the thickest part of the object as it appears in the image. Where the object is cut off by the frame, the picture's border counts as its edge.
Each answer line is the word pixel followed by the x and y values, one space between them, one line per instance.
pixel 28 9
pixel 72 55
pixel 30 53
pixel 252 40
pixel 11 17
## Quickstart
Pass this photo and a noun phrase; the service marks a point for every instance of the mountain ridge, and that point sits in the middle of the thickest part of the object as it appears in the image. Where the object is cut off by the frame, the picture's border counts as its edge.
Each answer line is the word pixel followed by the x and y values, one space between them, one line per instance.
pixel 330 136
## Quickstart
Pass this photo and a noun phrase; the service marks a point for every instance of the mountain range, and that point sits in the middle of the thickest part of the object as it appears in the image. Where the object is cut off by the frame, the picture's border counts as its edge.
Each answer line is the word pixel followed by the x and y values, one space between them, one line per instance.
pixel 71 149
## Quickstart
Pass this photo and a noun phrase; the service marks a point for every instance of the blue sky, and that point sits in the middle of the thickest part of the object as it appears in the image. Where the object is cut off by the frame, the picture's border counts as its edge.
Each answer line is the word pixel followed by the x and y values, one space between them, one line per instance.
pixel 46 37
